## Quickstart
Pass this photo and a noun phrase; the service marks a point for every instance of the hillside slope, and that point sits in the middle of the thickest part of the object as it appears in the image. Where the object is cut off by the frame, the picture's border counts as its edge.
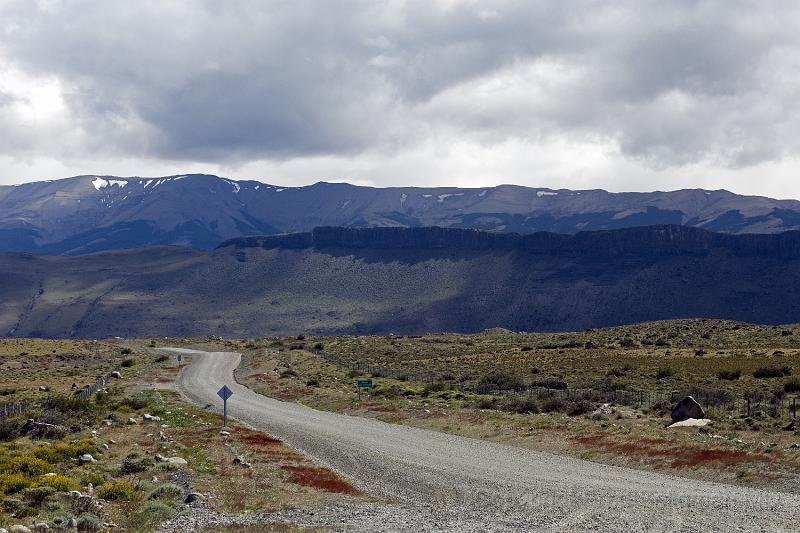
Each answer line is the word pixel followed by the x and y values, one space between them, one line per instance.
pixel 93 213
pixel 414 281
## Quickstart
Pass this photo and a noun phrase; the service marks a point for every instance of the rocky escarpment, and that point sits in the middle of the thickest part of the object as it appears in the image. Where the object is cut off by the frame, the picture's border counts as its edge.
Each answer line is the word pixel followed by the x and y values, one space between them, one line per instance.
pixel 650 241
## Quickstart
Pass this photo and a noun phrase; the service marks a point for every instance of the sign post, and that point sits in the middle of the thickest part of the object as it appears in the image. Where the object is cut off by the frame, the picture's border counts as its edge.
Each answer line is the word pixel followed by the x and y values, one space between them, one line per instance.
pixel 224 393
pixel 363 384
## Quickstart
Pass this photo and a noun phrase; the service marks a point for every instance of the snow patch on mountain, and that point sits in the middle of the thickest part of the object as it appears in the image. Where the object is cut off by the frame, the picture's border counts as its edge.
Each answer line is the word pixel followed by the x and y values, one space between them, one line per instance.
pixel 100 183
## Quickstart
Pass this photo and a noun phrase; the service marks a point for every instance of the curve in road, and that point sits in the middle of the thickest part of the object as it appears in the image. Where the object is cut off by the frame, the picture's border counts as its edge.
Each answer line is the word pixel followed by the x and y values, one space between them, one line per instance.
pixel 462 484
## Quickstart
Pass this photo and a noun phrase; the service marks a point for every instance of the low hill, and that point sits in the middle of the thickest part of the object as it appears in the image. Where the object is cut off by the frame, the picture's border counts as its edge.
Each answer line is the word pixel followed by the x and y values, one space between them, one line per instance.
pixel 344 280
pixel 88 214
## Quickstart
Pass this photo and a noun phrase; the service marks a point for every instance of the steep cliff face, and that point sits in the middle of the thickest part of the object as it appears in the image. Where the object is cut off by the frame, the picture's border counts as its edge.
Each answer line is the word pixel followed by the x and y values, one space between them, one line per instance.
pixel 378 281
pixel 651 241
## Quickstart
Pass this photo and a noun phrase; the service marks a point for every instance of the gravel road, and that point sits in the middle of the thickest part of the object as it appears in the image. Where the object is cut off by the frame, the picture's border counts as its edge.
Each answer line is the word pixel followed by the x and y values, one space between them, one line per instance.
pixel 447 483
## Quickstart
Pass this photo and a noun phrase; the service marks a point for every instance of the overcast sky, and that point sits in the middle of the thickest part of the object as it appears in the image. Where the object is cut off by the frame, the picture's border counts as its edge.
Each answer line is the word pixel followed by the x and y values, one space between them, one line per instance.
pixel 581 94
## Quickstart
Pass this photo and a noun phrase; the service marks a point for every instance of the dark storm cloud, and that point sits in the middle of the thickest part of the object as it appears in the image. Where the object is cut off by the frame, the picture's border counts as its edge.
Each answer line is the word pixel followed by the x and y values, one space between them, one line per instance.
pixel 667 83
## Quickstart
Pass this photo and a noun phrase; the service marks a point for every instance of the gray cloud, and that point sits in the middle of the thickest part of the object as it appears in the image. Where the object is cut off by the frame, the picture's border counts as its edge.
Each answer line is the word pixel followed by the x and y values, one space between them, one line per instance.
pixel 661 84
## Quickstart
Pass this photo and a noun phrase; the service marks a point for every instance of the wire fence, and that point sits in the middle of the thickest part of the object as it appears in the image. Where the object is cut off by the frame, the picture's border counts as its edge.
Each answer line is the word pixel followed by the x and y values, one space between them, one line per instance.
pixel 755 404
pixel 88 391
pixel 16 408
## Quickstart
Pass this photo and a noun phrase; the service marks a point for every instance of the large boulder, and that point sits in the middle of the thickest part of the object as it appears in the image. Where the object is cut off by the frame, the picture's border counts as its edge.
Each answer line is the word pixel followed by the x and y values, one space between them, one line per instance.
pixel 687 408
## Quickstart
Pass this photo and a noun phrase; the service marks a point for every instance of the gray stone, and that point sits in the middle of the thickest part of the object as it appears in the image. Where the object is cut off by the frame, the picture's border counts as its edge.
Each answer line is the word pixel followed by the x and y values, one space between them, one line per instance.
pixel 687 408
pixel 86 458
pixel 116 374
pixel 19 528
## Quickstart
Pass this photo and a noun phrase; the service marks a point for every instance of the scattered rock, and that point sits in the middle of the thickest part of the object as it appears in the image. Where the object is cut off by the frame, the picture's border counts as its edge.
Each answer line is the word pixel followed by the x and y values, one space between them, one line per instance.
pixel 690 423
pixel 19 528
pixel 49 474
pixel 44 389
pixel 225 433
pixel 112 441
pixel 71 523
pixel 687 408
pixel 74 494
pixel 132 421
pixel 86 459
pixel 40 526
pixel 33 427
pixel 147 417
pixel 193 497
pixel 241 462
pixel 115 374
pixel 104 446
pixel 171 460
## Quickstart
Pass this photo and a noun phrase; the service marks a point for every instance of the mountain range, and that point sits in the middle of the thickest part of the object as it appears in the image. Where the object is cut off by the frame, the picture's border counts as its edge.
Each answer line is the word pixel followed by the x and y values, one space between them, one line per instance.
pixel 405 281
pixel 87 214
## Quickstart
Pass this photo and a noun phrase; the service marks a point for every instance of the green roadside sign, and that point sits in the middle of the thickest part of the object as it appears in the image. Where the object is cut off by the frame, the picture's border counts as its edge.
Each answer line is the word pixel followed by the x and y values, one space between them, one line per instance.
pixel 364 384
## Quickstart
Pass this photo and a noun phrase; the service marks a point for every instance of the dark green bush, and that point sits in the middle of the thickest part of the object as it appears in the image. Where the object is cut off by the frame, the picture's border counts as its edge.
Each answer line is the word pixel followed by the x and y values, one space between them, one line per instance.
pixel 773 372
pixel 549 383
pixel 520 404
pixel 500 380
pixel 793 385
pixel 729 375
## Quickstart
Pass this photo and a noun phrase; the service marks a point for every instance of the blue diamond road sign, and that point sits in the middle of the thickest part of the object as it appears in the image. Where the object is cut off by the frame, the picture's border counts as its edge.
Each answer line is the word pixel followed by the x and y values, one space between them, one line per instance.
pixel 224 393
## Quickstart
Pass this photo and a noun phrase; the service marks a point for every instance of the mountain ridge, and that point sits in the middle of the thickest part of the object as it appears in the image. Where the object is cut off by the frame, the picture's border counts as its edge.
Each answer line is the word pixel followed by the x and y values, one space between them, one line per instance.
pixel 90 213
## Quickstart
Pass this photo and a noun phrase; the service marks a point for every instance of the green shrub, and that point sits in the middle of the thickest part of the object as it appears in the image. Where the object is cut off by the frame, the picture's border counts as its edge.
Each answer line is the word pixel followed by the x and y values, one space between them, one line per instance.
pixel 151 515
pixel 729 375
pixel 312 382
pixel 549 383
pixel 161 358
pixel 793 385
pixel 500 380
pixel 665 372
pixel 94 478
pixel 36 496
pixel 552 404
pixel 116 490
pixel 59 452
pixel 127 363
pixel 126 351
pixel 581 407
pixel 26 464
pixel 520 404
pixel 58 482
pixel 773 371
pixel 89 522
pixel 167 491
pixel 288 373
pixel 135 463
pixel 10 428
pixel 14 482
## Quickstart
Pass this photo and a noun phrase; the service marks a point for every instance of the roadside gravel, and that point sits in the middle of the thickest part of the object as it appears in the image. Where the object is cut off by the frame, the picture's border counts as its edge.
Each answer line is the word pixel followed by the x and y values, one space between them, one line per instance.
pixel 444 482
